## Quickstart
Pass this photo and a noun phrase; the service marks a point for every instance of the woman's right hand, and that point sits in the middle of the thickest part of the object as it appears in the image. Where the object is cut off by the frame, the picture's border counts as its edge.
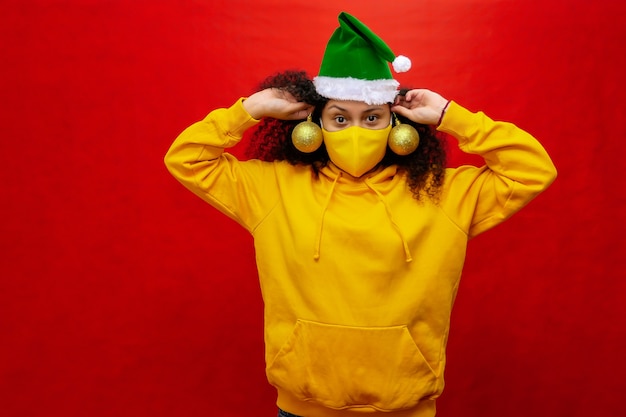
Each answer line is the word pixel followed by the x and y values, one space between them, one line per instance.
pixel 276 103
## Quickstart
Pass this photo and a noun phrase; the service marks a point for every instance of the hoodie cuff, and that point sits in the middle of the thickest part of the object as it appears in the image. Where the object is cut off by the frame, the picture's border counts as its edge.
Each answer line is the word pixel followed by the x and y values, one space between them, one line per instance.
pixel 233 121
pixel 457 121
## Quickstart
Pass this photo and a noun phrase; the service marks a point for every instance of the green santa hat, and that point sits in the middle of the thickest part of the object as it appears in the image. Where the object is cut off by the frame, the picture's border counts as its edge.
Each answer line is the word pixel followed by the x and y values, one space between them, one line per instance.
pixel 356 65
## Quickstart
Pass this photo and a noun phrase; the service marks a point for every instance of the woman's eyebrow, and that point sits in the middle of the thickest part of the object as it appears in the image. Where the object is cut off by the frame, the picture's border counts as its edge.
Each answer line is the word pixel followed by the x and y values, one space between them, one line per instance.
pixel 368 110
pixel 371 109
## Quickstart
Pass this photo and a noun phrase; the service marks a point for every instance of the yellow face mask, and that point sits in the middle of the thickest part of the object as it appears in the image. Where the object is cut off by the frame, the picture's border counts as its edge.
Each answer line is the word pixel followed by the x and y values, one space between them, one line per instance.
pixel 356 150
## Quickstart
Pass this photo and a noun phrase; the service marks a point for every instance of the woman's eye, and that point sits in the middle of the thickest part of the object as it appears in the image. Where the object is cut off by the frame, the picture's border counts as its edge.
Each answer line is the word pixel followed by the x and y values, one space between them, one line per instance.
pixel 340 119
pixel 372 118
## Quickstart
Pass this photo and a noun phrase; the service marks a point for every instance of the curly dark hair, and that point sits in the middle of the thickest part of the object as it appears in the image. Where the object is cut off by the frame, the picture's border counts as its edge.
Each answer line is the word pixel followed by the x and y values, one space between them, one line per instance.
pixel 271 140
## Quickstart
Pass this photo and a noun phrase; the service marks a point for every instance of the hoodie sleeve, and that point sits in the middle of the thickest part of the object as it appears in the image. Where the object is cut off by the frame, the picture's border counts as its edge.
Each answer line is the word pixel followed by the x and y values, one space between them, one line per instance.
pixel 517 168
pixel 197 159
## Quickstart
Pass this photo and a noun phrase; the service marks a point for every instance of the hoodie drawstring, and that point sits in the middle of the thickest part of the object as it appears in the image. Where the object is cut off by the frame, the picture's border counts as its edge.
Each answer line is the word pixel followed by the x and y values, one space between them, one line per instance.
pixel 318 242
pixel 407 251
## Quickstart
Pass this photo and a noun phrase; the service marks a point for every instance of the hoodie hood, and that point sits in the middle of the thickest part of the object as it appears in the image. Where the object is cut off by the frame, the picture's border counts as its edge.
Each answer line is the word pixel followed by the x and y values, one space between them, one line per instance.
pixel 377 176
pixel 370 183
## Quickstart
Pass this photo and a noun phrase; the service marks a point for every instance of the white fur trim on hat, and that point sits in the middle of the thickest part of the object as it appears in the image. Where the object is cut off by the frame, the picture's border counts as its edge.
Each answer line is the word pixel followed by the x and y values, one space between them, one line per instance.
pixel 370 91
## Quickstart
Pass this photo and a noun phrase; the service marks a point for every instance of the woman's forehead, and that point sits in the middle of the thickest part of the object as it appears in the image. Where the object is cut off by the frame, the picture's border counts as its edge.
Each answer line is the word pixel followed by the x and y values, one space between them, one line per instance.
pixel 354 106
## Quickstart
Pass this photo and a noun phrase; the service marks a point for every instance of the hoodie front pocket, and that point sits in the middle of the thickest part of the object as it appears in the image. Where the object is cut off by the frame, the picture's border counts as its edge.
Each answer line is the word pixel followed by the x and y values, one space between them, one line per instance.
pixel 343 367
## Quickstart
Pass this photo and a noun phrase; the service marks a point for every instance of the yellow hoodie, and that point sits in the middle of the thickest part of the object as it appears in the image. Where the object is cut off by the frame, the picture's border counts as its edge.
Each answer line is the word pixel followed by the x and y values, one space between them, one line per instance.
pixel 359 278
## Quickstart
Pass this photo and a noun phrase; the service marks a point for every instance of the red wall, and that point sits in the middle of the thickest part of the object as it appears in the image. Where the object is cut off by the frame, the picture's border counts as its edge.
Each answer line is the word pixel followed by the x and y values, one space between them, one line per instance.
pixel 121 294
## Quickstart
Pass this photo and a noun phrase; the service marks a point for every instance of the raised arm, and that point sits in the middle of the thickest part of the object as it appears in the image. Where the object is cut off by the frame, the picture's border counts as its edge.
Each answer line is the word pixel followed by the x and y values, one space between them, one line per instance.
pixel 517 168
pixel 240 189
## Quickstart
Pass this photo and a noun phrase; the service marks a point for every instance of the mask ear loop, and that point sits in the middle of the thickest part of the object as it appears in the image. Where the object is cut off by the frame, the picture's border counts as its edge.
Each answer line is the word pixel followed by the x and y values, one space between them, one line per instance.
pixel 307 136
pixel 403 138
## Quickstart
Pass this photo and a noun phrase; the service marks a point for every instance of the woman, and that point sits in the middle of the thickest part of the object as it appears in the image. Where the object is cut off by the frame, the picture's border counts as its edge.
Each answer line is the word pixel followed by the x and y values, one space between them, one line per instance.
pixel 359 250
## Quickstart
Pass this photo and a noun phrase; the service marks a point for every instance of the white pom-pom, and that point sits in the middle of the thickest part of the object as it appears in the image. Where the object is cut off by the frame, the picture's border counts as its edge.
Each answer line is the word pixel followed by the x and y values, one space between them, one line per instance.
pixel 401 64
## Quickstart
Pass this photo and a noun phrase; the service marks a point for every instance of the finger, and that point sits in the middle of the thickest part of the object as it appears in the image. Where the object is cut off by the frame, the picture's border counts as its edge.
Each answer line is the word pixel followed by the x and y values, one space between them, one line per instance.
pixel 300 115
pixel 400 101
pixel 284 94
pixel 300 106
pixel 401 110
pixel 299 111
pixel 411 94
pixel 405 105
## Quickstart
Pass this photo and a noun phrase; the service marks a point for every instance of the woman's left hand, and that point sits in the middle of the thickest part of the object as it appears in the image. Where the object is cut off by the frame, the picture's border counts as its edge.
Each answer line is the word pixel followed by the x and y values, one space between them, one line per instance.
pixel 421 106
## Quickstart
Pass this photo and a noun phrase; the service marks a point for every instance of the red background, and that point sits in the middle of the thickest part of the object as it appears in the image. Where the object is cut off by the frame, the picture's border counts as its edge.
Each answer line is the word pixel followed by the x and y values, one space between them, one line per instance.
pixel 124 295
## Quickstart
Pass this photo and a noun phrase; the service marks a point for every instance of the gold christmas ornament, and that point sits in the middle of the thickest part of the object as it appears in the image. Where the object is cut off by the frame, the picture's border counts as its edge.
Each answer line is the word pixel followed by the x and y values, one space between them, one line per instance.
pixel 403 138
pixel 307 136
